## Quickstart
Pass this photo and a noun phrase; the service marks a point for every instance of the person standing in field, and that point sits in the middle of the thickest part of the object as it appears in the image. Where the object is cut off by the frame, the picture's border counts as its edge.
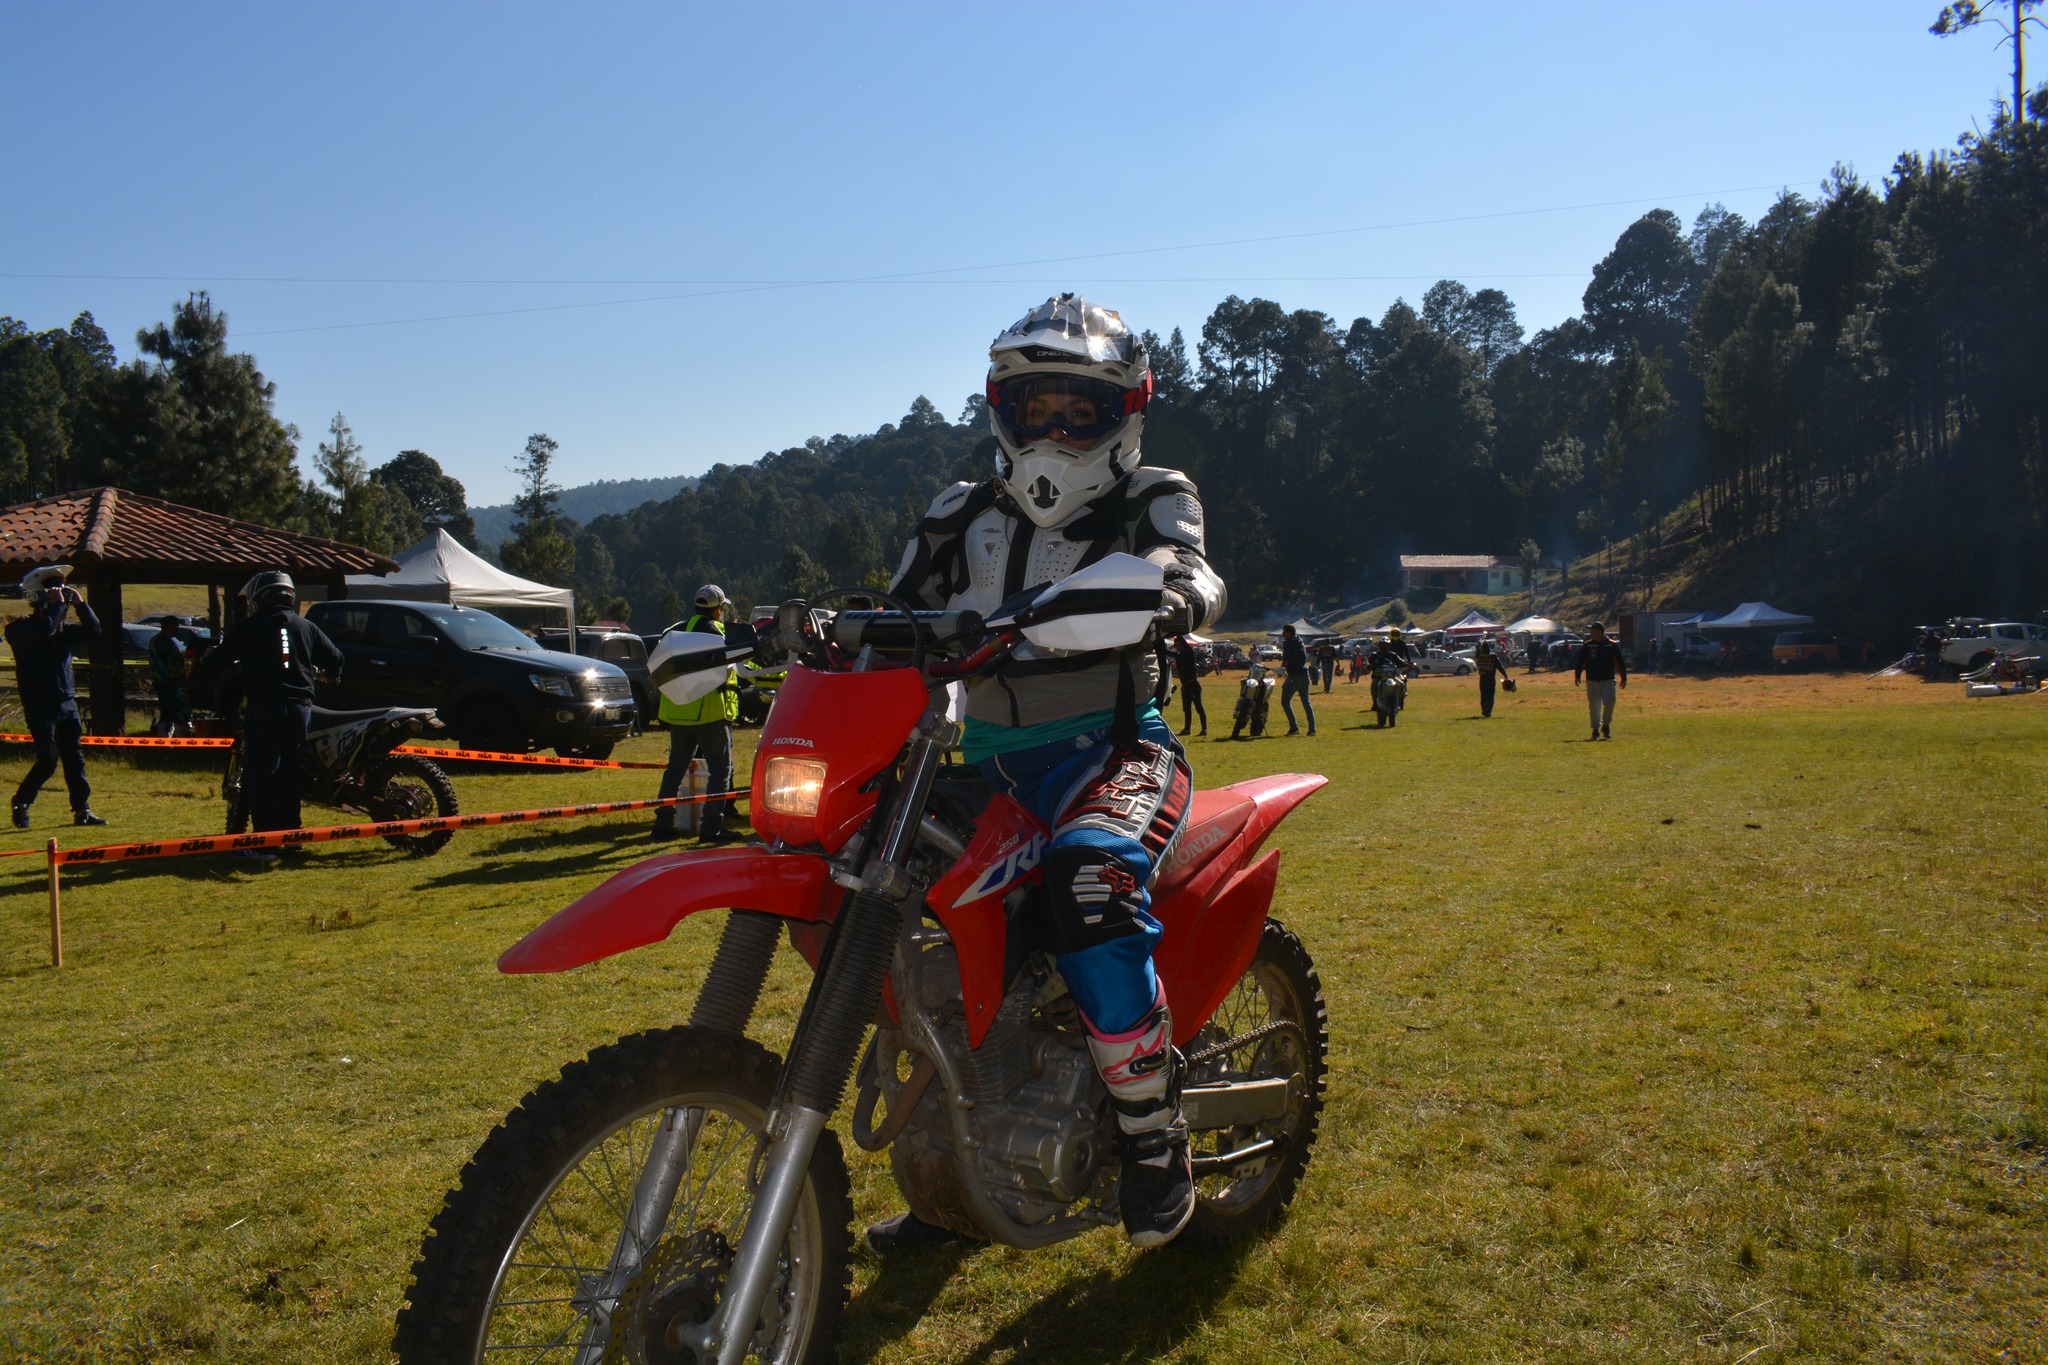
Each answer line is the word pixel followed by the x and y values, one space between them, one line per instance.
pixel 701 729
pixel 1187 672
pixel 1601 664
pixel 1294 679
pixel 277 654
pixel 1488 664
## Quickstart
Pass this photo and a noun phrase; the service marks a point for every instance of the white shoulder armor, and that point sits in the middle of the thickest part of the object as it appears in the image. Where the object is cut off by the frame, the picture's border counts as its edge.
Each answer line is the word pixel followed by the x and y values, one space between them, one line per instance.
pixel 949 500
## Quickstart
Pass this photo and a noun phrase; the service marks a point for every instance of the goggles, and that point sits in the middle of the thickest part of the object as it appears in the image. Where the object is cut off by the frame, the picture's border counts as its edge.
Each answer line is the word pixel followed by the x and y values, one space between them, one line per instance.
pixel 1033 406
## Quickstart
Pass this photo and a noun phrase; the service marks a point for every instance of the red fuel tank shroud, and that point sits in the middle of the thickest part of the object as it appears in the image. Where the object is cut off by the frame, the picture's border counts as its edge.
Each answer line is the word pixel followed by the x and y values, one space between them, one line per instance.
pixel 1007 850
pixel 855 724
pixel 643 904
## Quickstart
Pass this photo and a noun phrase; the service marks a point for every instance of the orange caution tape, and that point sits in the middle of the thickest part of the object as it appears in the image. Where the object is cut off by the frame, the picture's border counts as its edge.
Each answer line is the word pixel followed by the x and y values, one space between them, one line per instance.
pixel 426 750
pixel 290 838
pixel 133 741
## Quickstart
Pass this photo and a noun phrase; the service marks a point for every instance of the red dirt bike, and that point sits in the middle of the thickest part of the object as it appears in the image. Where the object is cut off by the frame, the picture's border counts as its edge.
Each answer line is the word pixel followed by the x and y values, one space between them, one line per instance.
pixel 677 1196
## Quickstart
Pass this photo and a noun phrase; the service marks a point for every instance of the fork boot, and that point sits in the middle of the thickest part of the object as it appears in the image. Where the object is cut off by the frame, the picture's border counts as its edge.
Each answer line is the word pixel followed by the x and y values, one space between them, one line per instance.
pixel 1142 1070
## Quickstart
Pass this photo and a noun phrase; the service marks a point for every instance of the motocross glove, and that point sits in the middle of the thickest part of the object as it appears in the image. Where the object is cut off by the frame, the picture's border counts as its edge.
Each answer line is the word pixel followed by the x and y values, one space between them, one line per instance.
pixel 1176 616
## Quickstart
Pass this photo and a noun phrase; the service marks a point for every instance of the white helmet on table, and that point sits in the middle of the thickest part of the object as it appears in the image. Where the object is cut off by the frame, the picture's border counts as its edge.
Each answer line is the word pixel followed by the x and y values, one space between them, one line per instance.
pixel 1067 387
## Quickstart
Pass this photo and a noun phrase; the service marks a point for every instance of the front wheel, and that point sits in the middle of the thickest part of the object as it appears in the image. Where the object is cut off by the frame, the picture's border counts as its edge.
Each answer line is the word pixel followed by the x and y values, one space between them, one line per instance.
pixel 409 787
pixel 1274 1024
pixel 531 1257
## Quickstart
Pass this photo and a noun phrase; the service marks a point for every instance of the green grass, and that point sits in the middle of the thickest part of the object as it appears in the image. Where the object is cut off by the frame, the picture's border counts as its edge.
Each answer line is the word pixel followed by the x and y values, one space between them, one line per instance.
pixel 1723 1041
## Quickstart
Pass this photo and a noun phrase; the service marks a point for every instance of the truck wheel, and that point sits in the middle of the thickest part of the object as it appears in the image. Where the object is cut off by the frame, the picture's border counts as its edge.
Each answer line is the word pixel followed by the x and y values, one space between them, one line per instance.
pixel 1981 659
pixel 492 726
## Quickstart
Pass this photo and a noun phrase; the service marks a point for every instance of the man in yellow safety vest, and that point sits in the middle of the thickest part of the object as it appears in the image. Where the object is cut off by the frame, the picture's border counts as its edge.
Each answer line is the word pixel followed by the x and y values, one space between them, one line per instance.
pixel 701 729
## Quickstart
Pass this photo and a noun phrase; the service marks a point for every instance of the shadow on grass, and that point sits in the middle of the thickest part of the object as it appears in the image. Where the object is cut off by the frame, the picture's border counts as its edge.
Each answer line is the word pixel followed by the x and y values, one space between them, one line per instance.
pixel 1162 1299
pixel 580 850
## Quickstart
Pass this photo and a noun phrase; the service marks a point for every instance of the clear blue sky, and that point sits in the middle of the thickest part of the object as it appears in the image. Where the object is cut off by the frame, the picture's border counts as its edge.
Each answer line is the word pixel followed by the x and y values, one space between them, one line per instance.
pixel 653 231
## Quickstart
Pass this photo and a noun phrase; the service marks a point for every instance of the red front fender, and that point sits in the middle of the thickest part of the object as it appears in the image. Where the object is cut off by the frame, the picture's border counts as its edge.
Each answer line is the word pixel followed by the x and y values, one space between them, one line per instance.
pixel 643 904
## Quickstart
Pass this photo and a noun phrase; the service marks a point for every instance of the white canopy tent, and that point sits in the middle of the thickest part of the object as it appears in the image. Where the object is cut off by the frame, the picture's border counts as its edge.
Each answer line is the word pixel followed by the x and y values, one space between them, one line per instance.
pixel 1534 625
pixel 1305 629
pixel 1756 616
pixel 440 569
pixel 1472 624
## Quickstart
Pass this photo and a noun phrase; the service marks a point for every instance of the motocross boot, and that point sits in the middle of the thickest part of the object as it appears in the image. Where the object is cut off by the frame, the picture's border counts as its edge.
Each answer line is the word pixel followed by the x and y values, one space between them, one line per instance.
pixel 1142 1069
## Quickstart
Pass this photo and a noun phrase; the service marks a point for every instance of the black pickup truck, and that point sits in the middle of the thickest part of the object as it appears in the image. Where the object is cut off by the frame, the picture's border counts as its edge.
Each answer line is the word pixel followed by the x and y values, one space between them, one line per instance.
pixel 494 686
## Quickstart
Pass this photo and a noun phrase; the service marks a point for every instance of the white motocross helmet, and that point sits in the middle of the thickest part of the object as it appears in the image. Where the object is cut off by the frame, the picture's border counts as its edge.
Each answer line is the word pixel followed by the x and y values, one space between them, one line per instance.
pixel 1067 388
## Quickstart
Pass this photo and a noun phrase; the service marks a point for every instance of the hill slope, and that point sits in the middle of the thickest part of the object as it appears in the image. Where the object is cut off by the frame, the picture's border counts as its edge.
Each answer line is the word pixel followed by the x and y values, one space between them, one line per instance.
pixel 583 502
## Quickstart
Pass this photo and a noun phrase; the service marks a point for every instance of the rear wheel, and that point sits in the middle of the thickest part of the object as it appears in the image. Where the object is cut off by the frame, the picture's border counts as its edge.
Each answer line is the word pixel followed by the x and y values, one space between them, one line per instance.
pixel 1274 1024
pixel 529 1257
pixel 409 787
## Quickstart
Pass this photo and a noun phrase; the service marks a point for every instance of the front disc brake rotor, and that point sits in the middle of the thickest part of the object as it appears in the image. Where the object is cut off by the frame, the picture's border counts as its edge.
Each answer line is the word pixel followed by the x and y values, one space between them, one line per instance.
pixel 677 1287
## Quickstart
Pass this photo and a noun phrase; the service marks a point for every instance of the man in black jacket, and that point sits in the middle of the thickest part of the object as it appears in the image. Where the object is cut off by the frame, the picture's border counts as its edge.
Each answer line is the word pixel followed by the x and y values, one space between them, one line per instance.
pixel 1601 663
pixel 1187 674
pixel 1294 679
pixel 43 643
pixel 276 652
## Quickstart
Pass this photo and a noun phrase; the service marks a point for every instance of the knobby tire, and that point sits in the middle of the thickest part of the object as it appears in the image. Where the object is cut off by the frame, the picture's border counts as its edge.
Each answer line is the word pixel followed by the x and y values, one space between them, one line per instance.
pixel 1280 984
pixel 504 1211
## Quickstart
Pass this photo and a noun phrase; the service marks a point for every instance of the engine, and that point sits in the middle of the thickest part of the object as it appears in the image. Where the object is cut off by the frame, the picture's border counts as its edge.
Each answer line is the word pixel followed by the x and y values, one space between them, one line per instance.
pixel 1036 1111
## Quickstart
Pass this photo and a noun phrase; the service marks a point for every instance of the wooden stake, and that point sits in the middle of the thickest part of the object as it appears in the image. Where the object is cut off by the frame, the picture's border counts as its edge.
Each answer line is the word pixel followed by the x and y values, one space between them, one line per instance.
pixel 56 913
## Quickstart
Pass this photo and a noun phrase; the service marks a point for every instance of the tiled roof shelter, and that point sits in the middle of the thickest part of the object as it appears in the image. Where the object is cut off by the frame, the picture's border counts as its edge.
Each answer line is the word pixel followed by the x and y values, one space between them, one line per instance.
pixel 111 537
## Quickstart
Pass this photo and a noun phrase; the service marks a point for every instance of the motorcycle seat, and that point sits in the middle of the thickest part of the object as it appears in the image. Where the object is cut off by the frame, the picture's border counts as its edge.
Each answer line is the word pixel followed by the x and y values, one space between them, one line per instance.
pixel 1214 819
pixel 323 718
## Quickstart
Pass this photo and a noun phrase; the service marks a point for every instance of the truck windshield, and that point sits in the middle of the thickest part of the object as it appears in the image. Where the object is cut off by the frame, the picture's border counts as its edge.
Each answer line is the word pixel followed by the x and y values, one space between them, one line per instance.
pixel 471 629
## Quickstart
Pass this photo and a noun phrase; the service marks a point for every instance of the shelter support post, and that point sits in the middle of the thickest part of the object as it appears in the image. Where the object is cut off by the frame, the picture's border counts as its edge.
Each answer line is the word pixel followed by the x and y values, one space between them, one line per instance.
pixel 106 691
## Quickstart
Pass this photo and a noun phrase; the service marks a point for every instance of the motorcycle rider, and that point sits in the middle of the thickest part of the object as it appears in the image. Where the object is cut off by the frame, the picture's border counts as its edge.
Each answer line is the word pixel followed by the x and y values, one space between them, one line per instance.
pixel 43 643
pixel 277 653
pixel 701 729
pixel 1392 649
pixel 1078 739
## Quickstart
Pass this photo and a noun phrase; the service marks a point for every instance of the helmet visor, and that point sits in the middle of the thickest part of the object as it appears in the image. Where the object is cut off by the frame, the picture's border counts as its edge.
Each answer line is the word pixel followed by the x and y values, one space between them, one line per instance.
pixel 1031 407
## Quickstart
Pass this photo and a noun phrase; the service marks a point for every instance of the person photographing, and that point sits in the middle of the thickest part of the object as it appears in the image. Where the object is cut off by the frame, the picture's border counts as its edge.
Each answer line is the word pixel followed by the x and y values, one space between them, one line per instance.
pixel 43 642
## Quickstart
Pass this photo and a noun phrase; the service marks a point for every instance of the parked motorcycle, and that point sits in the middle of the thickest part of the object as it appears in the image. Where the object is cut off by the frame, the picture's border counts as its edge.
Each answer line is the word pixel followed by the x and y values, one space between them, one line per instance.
pixel 348 763
pixel 1389 693
pixel 1254 699
pixel 678 1196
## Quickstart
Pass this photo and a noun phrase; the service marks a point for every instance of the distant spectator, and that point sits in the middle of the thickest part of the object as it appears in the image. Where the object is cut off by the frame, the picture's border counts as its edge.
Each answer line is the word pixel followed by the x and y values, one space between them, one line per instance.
pixel 1294 679
pixel 169 669
pixel 1655 656
pixel 1187 671
pixel 1326 661
pixel 1601 663
pixel 1488 664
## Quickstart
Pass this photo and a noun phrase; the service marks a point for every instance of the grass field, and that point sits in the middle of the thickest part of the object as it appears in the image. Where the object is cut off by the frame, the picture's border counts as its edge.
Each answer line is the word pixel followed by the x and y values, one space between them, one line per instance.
pixel 1719 1042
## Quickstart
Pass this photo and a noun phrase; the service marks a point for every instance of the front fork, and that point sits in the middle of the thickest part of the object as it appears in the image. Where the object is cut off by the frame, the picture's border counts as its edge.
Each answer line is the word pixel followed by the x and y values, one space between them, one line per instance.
pixel 844 995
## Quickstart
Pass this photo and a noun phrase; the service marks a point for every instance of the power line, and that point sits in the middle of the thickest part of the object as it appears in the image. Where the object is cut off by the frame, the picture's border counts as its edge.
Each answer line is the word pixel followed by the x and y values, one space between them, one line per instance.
pixel 900 275
pixel 720 288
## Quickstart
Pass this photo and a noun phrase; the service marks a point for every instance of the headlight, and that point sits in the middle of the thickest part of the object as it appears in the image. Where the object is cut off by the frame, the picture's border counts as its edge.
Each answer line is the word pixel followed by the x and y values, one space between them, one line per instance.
pixel 552 684
pixel 792 785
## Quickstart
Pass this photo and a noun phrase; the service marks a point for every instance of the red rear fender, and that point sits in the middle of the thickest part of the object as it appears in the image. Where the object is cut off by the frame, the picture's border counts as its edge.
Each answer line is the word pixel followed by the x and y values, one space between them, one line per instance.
pixel 1276 797
pixel 643 904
